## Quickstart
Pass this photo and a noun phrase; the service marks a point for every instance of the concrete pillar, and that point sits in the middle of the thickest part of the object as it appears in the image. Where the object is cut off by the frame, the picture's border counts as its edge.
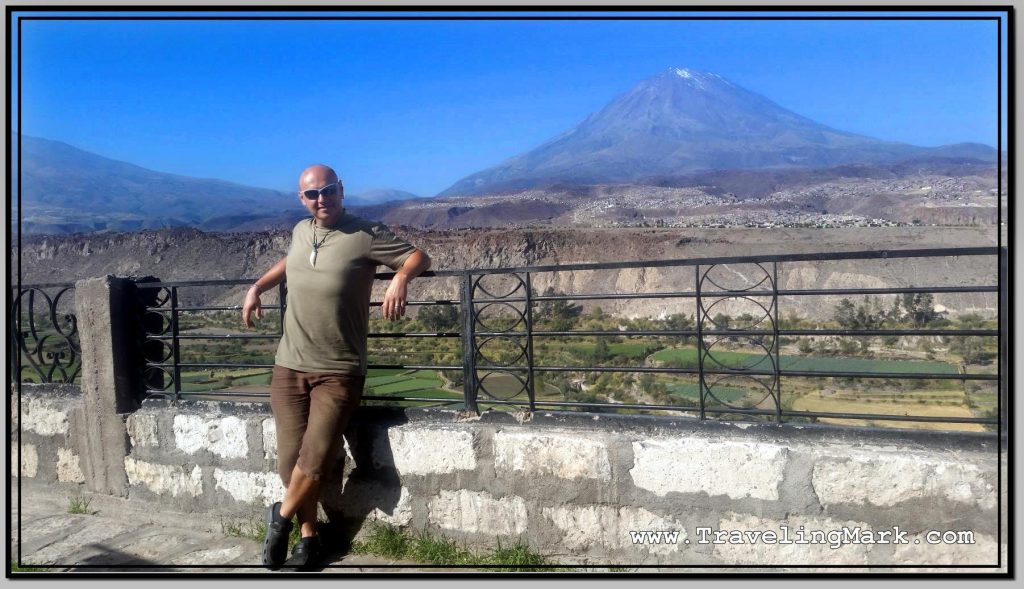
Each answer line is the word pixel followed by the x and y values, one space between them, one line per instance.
pixel 105 309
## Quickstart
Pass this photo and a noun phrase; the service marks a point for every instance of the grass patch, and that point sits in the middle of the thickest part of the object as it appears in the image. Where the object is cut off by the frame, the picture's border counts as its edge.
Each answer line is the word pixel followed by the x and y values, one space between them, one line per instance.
pixel 79 505
pixel 390 542
pixel 25 569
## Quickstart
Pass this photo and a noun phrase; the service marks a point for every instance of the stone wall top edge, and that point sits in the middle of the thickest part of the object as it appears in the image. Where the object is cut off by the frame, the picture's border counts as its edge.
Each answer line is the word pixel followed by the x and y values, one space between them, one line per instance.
pixel 238 408
pixel 648 425
pixel 658 426
pixel 49 390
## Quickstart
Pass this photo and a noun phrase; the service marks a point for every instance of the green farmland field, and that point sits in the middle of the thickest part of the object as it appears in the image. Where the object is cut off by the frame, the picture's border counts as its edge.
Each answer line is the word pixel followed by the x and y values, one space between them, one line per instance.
pixel 687 358
pixel 692 392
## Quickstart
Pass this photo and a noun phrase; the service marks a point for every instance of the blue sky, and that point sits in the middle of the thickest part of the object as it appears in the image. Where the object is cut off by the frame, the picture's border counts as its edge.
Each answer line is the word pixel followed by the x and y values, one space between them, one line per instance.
pixel 416 105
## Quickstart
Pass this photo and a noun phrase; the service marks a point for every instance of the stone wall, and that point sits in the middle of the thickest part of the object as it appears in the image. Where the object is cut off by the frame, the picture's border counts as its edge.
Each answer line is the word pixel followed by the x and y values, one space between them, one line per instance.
pixel 50 419
pixel 572 486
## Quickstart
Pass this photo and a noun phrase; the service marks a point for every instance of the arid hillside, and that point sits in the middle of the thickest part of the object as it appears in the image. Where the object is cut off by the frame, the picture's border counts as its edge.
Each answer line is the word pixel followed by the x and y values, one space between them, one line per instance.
pixel 188 254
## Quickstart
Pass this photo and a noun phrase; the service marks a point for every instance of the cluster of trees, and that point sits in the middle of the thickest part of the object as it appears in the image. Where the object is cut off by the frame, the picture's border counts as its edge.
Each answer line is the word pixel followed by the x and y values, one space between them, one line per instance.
pixel 910 309
pixel 914 309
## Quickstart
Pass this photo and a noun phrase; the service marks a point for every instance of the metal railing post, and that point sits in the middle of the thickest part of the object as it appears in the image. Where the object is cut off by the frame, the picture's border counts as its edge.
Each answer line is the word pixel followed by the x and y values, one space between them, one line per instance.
pixel 530 387
pixel 700 346
pixel 775 341
pixel 1004 326
pixel 175 343
pixel 281 294
pixel 468 353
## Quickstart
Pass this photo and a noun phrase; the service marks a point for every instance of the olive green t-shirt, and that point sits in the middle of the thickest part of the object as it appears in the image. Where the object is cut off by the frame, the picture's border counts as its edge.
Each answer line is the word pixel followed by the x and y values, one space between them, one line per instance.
pixel 327 315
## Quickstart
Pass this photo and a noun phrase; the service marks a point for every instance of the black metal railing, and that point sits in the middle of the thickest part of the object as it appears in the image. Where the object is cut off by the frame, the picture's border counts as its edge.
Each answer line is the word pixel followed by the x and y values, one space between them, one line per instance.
pixel 506 329
pixel 45 333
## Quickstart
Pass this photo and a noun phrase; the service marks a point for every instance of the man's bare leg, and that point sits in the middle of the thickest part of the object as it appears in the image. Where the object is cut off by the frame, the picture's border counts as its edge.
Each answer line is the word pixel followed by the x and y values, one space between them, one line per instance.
pixel 300 499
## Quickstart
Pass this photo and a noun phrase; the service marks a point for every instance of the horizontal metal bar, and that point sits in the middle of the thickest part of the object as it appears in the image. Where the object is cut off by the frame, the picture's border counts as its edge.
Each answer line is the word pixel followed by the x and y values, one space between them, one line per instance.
pixel 793 373
pixel 215 393
pixel 441 334
pixel 888 375
pixel 179 283
pixel 903 290
pixel 752 293
pixel 211 365
pixel 484 400
pixel 250 281
pixel 220 308
pixel 381 366
pixel 414 303
pixel 746 332
pixel 219 393
pixel 227 336
pixel 964 332
pixel 590 297
pixel 887 417
pixel 414 367
pixel 457 401
pixel 864 416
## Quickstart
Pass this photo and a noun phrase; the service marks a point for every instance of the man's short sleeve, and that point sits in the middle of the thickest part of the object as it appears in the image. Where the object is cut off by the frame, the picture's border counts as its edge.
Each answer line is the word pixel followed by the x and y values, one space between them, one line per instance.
pixel 387 249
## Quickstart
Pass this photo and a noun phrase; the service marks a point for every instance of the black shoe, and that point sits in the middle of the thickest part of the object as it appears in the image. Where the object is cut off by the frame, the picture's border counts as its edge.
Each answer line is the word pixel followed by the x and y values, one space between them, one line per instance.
pixel 275 545
pixel 306 554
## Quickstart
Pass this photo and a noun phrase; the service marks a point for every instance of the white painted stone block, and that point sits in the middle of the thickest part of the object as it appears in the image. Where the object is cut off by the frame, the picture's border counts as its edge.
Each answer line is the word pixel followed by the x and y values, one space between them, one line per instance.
pixel 261 488
pixel 224 436
pixel 744 549
pixel 416 451
pixel 478 512
pixel 564 455
pixel 609 527
pixel 44 418
pixel 269 439
pixel 715 467
pixel 889 478
pixel 164 478
pixel 142 430
pixel 69 469
pixel 29 460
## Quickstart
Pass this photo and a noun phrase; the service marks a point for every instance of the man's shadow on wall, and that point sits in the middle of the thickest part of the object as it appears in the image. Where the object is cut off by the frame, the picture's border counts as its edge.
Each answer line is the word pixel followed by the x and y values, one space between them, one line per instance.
pixel 365 483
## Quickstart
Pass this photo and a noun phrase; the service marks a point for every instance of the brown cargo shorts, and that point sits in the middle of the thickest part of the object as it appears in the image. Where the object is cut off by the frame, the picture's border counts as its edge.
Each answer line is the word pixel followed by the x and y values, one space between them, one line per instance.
pixel 311 411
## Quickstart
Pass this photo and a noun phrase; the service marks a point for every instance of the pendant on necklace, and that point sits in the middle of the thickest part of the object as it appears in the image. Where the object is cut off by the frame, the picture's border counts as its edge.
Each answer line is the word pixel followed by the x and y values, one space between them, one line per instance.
pixel 312 258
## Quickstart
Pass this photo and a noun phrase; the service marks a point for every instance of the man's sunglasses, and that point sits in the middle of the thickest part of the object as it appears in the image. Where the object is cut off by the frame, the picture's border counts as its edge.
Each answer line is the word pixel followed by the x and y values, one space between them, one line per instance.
pixel 329 191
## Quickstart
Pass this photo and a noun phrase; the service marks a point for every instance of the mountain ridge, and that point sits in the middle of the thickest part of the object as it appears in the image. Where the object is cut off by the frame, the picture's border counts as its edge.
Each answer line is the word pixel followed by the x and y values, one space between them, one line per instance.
pixel 684 121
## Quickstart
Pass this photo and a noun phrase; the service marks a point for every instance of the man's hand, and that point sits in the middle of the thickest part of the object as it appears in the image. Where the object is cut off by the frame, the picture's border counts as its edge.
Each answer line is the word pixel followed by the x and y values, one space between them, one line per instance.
pixel 252 304
pixel 393 306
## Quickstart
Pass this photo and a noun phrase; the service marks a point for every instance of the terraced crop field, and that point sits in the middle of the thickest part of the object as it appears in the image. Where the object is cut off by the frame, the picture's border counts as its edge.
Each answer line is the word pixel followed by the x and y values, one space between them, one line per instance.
pixel 687 358
pixel 407 383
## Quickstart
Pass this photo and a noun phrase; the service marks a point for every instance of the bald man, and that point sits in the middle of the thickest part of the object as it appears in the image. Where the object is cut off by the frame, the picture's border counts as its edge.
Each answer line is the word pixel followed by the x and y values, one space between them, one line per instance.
pixel 320 366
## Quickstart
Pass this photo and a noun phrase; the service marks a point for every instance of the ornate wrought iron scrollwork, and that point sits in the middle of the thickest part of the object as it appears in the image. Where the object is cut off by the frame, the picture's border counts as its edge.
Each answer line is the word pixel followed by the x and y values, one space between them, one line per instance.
pixel 755 379
pixel 46 336
pixel 155 322
pixel 502 355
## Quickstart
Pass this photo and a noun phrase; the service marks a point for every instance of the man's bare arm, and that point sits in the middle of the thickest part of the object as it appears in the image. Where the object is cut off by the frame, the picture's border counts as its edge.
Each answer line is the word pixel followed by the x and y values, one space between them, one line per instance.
pixel 393 306
pixel 269 280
